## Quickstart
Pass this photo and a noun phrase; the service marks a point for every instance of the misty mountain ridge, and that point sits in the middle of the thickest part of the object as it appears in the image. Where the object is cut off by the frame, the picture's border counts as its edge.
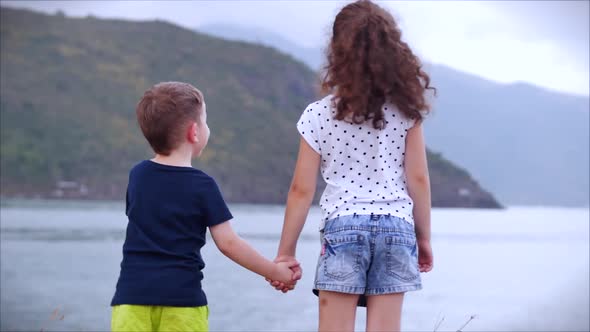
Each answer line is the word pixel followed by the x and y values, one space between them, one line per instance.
pixel 502 133
pixel 314 57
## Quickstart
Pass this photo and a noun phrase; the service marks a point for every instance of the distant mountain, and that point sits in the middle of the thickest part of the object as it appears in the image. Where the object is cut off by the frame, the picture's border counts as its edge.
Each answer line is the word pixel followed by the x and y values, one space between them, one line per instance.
pixel 528 145
pixel 313 57
pixel 68 89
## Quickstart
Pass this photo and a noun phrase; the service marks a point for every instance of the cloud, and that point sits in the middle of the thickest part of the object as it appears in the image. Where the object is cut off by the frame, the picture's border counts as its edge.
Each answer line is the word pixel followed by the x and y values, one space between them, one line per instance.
pixel 543 43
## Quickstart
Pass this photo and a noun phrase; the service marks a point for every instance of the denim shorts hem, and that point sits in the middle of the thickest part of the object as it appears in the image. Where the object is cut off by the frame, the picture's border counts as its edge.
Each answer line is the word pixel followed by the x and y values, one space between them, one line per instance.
pixel 340 289
pixel 393 290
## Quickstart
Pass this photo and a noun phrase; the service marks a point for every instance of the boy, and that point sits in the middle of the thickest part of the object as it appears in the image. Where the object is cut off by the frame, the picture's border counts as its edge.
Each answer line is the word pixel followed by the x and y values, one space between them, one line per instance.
pixel 170 205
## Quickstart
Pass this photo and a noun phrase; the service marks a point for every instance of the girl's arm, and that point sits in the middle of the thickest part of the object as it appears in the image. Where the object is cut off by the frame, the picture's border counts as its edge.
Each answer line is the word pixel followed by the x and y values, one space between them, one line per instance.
pixel 416 168
pixel 303 187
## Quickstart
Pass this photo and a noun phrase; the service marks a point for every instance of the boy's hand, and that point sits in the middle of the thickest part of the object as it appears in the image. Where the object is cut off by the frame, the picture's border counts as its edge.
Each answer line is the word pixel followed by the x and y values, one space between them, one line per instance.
pixel 425 260
pixel 297 272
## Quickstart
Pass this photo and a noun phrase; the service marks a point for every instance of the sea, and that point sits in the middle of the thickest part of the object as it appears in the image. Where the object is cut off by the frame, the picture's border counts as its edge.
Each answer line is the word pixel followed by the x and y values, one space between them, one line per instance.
pixel 515 269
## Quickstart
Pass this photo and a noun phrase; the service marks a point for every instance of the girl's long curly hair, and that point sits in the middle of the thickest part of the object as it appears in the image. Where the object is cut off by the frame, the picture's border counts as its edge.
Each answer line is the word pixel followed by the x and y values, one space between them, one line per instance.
pixel 368 65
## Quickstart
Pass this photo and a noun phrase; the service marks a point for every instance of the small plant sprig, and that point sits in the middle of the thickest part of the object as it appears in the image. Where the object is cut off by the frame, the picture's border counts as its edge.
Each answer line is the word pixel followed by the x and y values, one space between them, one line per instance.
pixel 440 320
pixel 467 322
pixel 55 315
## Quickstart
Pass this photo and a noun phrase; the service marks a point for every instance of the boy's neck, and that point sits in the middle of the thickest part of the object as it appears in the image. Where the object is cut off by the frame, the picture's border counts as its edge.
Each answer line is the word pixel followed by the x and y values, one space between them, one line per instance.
pixel 175 158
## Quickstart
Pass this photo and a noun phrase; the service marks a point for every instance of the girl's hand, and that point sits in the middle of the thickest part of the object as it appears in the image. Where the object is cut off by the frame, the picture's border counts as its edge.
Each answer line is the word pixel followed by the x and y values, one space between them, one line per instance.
pixel 297 273
pixel 425 259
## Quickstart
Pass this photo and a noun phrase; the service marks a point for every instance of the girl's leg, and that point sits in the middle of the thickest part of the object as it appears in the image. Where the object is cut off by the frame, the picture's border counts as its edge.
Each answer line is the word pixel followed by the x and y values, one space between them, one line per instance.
pixel 384 312
pixel 337 311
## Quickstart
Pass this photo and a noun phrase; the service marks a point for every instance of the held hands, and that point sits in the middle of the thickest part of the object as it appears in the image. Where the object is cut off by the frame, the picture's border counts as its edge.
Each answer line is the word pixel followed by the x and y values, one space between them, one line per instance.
pixel 425 259
pixel 286 272
pixel 293 272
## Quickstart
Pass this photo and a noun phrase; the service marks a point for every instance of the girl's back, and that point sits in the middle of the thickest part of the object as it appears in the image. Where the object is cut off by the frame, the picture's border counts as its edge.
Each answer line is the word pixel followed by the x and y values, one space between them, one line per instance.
pixel 363 167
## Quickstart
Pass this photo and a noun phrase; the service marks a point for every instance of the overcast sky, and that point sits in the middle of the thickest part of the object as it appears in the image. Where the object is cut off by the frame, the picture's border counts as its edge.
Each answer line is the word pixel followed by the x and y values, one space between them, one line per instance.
pixel 541 42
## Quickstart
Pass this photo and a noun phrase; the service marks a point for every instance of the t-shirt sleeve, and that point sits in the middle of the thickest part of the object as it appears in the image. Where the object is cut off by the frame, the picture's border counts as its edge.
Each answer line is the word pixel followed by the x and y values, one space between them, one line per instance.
pixel 409 123
pixel 127 202
pixel 308 127
pixel 216 211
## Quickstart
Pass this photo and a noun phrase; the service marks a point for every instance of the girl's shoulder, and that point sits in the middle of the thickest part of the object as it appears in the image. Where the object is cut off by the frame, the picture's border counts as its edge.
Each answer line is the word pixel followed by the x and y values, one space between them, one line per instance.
pixel 321 108
pixel 324 103
pixel 393 113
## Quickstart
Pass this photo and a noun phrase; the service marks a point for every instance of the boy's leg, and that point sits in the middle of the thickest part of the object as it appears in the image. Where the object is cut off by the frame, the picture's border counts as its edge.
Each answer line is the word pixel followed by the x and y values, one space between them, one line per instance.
pixel 384 312
pixel 131 318
pixel 184 319
pixel 337 311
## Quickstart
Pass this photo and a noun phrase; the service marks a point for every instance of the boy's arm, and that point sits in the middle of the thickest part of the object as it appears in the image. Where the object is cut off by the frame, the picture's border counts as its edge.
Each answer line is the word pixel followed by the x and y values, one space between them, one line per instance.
pixel 303 187
pixel 238 250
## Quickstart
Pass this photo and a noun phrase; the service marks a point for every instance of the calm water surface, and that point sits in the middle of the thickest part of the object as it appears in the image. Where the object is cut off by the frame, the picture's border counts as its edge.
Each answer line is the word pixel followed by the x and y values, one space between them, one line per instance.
pixel 516 269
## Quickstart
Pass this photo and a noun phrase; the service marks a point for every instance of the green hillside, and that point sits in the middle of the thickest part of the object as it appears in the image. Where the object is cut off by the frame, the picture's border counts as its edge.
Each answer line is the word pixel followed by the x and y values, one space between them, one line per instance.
pixel 68 89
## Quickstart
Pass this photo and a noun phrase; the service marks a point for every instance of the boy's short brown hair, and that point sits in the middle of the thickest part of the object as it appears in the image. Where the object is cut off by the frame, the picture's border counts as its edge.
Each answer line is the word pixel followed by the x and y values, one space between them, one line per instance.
pixel 164 111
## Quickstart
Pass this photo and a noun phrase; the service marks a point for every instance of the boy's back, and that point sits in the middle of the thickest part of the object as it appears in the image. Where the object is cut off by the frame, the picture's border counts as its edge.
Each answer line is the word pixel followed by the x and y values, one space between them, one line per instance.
pixel 169 210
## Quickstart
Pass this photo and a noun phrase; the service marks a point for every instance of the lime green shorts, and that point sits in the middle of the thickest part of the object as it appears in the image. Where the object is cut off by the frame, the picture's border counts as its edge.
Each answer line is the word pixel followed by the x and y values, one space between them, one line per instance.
pixel 131 318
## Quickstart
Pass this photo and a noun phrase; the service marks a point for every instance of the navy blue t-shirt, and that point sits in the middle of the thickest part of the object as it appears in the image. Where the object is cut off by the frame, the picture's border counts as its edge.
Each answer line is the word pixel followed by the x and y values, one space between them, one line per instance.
pixel 169 209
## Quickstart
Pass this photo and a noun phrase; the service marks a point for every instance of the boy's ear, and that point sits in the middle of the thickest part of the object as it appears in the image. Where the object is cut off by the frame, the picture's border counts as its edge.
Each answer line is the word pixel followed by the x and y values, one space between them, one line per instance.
pixel 192 133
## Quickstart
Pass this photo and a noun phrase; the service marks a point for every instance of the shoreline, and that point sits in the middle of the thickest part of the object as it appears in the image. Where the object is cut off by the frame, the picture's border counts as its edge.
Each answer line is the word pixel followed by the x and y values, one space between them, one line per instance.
pixel 10 202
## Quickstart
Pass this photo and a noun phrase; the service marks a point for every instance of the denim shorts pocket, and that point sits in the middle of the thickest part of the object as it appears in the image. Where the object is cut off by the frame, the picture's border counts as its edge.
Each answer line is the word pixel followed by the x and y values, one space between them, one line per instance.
pixel 341 255
pixel 402 261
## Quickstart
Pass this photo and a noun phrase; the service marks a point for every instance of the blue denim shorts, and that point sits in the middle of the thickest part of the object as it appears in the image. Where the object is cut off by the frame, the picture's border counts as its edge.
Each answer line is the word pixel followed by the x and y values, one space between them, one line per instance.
pixel 368 254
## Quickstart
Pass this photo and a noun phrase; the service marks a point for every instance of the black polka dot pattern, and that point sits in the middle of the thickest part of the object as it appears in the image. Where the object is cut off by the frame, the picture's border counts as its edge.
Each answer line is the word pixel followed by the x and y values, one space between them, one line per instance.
pixel 362 166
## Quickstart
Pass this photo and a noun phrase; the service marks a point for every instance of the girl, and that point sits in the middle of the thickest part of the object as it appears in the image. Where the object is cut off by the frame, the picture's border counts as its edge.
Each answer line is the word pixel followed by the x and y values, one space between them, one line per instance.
pixel 366 137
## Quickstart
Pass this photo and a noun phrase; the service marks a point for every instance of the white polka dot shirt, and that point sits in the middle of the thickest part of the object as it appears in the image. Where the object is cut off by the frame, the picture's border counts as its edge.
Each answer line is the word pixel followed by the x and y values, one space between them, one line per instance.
pixel 363 167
